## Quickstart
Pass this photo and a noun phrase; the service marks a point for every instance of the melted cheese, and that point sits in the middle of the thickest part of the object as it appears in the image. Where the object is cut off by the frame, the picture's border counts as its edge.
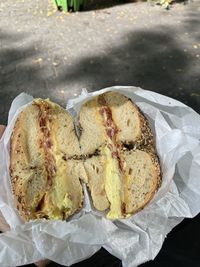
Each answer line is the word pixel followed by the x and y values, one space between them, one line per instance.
pixel 113 185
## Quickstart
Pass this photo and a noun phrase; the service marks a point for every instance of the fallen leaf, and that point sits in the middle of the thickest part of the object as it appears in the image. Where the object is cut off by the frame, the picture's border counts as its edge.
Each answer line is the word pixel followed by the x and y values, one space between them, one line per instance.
pixel 195 94
pixel 49 14
pixel 37 60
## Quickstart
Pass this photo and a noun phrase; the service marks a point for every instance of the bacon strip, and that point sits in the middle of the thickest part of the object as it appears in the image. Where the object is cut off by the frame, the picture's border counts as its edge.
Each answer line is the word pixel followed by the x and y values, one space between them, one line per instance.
pixel 46 142
pixel 111 130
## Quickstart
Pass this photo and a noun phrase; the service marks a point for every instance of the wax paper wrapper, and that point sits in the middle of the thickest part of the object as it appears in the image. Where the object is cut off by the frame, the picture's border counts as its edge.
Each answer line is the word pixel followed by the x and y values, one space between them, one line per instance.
pixel 133 240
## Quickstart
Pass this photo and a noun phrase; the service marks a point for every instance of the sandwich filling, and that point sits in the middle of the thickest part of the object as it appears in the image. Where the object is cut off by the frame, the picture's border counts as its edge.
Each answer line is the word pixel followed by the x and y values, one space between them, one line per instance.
pixel 114 164
pixel 46 141
pixel 55 202
pixel 125 174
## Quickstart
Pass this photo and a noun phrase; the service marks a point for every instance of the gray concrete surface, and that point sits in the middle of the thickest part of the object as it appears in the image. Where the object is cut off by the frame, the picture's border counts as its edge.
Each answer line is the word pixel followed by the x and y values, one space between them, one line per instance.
pixel 51 54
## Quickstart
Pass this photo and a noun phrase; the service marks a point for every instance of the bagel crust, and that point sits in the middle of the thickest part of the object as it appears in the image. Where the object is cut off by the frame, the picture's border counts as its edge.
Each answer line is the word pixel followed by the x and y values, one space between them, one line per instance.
pixel 44 176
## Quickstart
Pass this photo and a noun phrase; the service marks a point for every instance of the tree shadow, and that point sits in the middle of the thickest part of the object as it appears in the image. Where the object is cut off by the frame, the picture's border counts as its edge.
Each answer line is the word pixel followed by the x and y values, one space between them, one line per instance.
pixel 192 21
pixel 102 4
pixel 20 70
pixel 149 59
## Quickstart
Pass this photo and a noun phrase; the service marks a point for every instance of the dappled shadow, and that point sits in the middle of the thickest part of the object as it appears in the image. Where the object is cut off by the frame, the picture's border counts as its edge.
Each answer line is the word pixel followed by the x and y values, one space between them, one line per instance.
pixel 150 59
pixel 102 4
pixel 192 21
pixel 20 70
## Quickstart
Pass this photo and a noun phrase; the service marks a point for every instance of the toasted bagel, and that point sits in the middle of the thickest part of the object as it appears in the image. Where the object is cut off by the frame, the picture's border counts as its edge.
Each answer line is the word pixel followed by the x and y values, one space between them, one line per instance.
pixel 45 178
pixel 126 173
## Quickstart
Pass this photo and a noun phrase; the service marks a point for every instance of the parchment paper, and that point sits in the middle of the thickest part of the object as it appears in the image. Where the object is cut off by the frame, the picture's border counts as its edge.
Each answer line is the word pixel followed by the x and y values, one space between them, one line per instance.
pixel 134 240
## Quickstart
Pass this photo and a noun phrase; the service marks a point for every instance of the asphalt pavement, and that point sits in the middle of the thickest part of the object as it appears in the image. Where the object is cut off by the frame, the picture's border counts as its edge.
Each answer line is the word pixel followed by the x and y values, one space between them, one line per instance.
pixel 47 53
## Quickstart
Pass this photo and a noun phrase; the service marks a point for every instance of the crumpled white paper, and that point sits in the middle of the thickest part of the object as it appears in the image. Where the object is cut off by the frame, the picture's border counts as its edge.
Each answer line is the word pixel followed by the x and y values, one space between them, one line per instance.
pixel 134 240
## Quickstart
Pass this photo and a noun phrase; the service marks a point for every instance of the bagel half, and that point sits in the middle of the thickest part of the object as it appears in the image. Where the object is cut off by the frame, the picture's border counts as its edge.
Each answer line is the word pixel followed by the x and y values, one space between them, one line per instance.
pixel 45 176
pixel 122 167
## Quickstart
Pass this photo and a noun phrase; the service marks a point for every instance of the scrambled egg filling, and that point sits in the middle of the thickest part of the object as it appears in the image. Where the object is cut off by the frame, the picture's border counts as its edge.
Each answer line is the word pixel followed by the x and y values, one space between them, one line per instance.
pixel 113 185
pixel 112 180
pixel 57 200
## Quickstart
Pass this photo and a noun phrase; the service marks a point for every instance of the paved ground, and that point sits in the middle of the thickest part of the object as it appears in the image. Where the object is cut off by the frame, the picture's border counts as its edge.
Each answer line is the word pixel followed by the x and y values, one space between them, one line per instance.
pixel 50 54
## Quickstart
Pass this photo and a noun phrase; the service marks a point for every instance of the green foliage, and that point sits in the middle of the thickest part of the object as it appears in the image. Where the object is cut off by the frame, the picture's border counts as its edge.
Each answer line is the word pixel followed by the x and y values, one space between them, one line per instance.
pixel 163 3
pixel 69 4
